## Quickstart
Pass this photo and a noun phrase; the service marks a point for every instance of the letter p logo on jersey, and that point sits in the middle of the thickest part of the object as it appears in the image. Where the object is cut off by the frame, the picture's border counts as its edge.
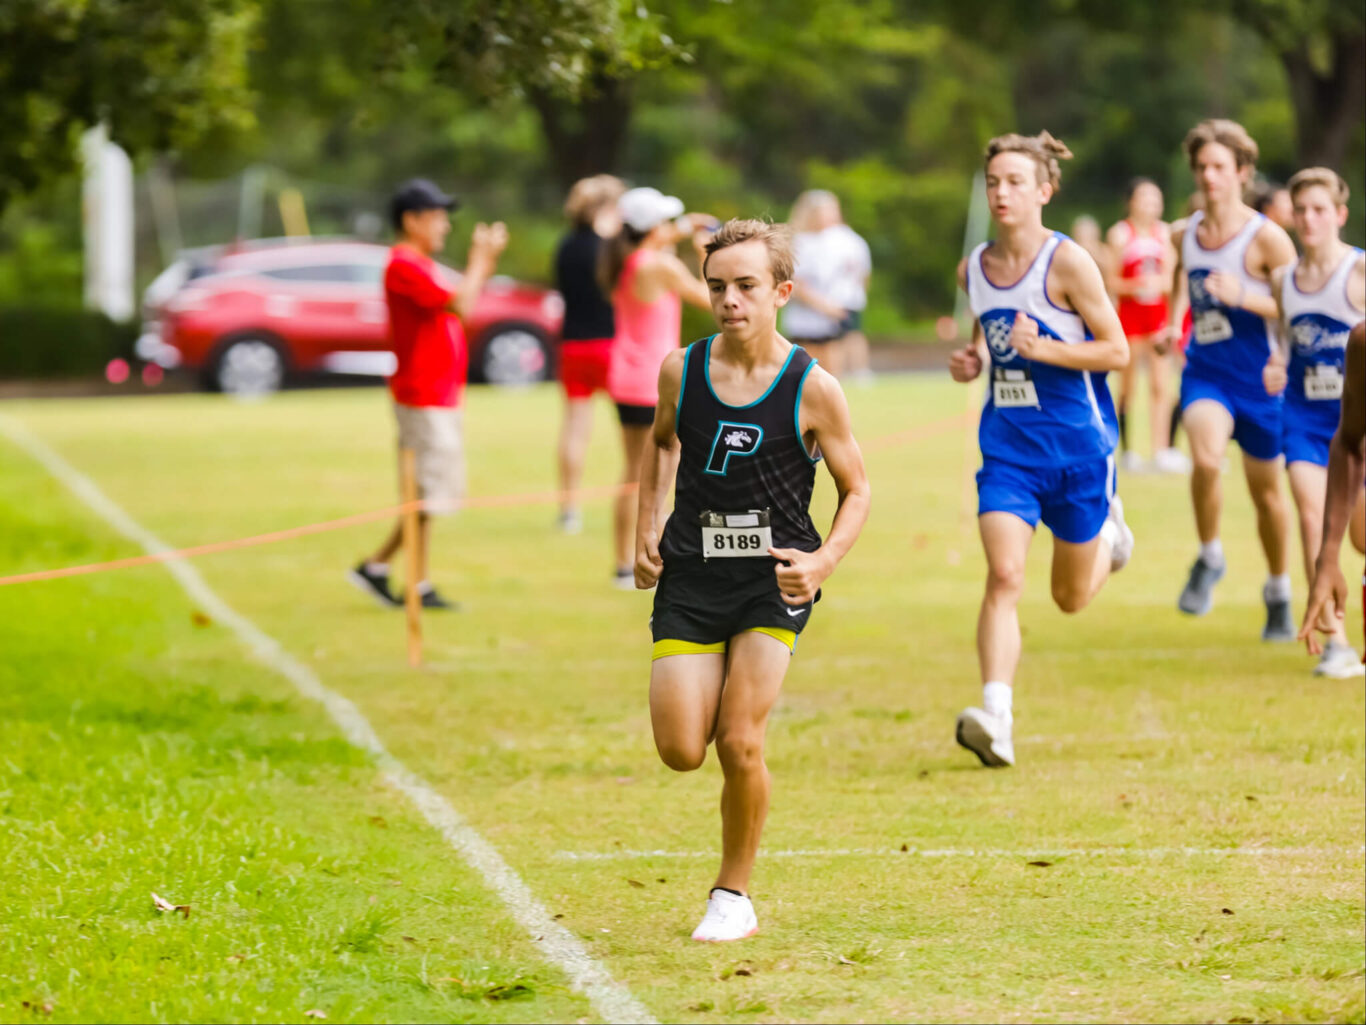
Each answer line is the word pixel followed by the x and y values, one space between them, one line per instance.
pixel 732 439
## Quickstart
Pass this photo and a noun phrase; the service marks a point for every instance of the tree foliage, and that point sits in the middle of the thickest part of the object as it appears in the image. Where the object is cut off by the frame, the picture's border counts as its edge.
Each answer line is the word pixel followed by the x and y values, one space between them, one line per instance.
pixel 159 73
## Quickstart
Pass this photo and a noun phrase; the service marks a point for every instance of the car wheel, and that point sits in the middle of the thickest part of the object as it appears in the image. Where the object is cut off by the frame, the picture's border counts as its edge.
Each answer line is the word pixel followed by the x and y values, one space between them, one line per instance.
pixel 249 367
pixel 514 355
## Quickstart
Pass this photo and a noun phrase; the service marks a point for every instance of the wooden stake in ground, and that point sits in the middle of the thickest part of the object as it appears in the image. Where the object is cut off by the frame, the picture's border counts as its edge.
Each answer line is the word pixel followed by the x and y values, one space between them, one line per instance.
pixel 412 601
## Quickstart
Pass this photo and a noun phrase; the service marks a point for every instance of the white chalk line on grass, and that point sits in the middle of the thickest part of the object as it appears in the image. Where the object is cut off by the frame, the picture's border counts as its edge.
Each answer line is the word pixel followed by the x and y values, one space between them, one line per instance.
pixel 559 946
pixel 984 852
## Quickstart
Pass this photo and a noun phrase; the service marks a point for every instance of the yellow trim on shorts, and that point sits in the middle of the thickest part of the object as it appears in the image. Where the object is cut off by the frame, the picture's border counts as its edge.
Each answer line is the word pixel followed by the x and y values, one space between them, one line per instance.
pixel 669 646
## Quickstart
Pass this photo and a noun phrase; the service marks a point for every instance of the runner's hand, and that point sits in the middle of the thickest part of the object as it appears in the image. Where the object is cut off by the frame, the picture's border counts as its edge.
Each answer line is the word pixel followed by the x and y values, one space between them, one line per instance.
pixel 1273 374
pixel 1327 604
pixel 965 364
pixel 1166 339
pixel 1225 287
pixel 649 565
pixel 799 574
pixel 1024 336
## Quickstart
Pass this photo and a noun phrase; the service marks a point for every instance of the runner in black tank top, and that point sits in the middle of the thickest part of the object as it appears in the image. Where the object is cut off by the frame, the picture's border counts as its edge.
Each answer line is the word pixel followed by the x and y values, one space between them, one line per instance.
pixel 740 563
pixel 740 458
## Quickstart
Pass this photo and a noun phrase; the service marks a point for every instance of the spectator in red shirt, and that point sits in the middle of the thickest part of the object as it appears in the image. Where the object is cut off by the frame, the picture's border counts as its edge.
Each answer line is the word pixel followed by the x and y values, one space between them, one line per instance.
pixel 425 308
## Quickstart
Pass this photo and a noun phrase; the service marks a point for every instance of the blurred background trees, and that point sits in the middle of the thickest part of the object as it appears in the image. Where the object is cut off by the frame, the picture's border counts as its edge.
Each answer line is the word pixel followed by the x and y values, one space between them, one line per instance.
pixel 735 106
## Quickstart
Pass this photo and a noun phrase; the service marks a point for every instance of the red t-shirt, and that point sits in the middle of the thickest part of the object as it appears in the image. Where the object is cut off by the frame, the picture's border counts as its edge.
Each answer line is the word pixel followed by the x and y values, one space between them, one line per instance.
pixel 427 338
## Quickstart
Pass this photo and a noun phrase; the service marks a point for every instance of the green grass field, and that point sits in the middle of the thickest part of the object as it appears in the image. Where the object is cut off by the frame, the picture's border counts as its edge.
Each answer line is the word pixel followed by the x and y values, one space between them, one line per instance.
pixel 142 750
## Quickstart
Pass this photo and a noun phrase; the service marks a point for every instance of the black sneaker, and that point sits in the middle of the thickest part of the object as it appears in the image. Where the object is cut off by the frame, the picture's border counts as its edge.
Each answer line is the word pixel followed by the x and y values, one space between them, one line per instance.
pixel 431 599
pixel 1198 596
pixel 376 585
pixel 1280 625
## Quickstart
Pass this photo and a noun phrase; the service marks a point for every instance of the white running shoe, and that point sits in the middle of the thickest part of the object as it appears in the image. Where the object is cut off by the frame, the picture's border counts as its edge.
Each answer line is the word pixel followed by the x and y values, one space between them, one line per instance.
pixel 1132 462
pixel 1122 542
pixel 570 522
pixel 729 917
pixel 1172 460
pixel 987 736
pixel 1339 662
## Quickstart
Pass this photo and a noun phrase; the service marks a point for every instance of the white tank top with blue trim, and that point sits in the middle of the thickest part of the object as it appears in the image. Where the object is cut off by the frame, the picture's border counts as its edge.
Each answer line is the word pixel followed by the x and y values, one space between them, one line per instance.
pixel 1319 323
pixel 1229 345
pixel 1037 414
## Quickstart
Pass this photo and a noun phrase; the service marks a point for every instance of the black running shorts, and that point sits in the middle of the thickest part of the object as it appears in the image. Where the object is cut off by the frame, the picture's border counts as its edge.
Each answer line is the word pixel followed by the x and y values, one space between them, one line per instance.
pixel 708 602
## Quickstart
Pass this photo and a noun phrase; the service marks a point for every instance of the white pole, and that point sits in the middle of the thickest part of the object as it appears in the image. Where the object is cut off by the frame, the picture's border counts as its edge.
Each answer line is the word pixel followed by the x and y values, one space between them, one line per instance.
pixel 974 233
pixel 107 215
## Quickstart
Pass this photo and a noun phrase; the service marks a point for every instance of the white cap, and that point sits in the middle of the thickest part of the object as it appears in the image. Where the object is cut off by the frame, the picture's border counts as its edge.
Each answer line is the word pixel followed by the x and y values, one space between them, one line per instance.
pixel 646 208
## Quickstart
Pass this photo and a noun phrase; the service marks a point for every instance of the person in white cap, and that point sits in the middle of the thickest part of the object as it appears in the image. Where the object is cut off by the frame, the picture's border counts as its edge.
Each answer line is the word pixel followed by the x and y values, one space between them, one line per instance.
pixel 648 284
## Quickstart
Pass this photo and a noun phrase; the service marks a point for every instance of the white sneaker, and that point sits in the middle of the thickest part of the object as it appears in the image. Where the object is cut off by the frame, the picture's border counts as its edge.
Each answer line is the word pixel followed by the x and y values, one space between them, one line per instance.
pixel 987 736
pixel 1122 541
pixel 1172 460
pixel 570 522
pixel 1339 662
pixel 729 917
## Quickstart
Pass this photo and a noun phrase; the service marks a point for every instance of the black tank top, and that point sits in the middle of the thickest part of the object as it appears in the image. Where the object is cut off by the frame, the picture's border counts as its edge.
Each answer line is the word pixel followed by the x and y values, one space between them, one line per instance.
pixel 737 458
pixel 587 314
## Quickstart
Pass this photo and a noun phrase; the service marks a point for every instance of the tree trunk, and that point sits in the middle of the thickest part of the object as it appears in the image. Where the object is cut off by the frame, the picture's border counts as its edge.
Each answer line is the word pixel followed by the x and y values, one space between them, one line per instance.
pixel 585 137
pixel 1328 104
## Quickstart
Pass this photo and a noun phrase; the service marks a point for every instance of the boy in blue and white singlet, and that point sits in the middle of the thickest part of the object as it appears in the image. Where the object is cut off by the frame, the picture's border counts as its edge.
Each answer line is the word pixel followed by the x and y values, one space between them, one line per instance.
pixel 1321 297
pixel 1046 334
pixel 1227 253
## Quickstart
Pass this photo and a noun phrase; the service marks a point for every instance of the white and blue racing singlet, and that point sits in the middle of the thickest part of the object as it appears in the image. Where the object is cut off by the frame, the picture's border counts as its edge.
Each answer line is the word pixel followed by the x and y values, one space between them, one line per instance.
pixel 1037 414
pixel 1319 323
pixel 1229 345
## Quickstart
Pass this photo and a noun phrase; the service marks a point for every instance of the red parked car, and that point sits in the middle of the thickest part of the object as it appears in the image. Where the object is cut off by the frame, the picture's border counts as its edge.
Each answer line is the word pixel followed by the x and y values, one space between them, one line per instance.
pixel 247 319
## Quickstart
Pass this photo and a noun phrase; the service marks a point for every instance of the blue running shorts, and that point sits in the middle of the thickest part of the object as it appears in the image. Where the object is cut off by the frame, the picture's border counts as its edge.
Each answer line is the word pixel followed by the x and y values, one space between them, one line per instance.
pixel 1072 501
pixel 1256 421
pixel 1305 442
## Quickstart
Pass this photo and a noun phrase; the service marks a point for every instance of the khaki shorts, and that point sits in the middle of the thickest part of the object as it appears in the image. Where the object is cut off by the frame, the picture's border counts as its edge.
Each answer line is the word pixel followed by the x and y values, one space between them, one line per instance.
pixel 434 434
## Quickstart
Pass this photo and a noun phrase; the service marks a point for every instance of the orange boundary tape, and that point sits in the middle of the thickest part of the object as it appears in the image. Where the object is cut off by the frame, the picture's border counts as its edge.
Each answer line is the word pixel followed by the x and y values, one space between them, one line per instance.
pixel 489 502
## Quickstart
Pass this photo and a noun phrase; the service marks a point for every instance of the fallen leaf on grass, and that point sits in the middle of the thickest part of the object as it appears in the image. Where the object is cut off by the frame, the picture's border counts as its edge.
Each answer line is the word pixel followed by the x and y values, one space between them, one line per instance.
pixel 162 904
pixel 1226 911
pixel 44 1008
pixel 410 939
pixel 237 957
pixel 378 820
pixel 200 619
pixel 904 848
pixel 743 971
pixel 314 1013
pixel 1251 798
pixel 636 885
pixel 845 960
pixel 558 917
pixel 1039 864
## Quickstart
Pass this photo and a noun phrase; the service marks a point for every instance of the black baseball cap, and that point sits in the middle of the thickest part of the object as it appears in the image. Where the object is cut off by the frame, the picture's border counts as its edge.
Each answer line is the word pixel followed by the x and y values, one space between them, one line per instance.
pixel 415 195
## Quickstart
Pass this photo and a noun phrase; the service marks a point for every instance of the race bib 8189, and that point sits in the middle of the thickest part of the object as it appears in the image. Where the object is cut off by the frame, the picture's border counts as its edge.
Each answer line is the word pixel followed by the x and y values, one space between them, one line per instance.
pixel 736 535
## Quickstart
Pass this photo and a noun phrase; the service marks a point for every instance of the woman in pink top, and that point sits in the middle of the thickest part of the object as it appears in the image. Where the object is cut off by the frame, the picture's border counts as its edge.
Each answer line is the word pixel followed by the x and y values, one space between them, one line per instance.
pixel 648 284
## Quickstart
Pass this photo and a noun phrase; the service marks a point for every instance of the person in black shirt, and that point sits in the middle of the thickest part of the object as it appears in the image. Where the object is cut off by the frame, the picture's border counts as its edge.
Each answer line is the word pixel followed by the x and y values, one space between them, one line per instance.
pixel 586 337
pixel 740 564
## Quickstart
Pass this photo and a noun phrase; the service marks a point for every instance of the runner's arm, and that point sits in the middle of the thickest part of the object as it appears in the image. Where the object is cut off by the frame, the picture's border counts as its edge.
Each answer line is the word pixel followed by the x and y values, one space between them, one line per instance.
pixel 1275 250
pixel 966 363
pixel 661 454
pixel 824 421
pixel 1179 289
pixel 1274 373
pixel 1346 474
pixel 1078 279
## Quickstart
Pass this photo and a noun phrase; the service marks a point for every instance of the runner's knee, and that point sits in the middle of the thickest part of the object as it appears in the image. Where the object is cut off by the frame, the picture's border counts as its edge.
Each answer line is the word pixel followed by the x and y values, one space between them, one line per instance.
pixel 681 756
pixel 1069 596
pixel 740 751
pixel 1005 576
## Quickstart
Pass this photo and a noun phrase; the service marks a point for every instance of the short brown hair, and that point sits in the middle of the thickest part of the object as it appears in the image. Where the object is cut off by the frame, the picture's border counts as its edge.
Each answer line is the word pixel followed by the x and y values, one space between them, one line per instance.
pixel 588 196
pixel 1045 150
pixel 776 237
pixel 1226 133
pixel 1325 176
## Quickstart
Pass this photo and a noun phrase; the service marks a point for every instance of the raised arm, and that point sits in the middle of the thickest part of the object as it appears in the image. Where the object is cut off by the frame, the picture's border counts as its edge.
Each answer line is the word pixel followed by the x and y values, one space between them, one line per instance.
pixel 661 453
pixel 666 272
pixel 486 245
pixel 825 424
pixel 1075 276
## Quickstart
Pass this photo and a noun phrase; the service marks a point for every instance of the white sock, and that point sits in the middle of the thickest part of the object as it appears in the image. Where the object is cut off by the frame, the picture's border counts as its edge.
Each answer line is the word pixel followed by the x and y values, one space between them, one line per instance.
pixel 1212 552
pixel 1109 532
pixel 424 587
pixel 1277 588
pixel 996 699
pixel 379 568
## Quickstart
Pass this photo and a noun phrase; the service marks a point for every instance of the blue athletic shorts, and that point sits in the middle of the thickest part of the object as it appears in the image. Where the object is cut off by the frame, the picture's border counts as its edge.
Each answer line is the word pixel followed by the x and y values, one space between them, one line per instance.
pixel 1305 443
pixel 1072 501
pixel 1256 421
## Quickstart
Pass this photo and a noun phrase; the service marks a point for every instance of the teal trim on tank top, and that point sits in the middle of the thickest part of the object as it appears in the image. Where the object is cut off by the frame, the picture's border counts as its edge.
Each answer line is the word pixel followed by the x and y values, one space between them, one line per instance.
pixel 797 415
pixel 706 374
